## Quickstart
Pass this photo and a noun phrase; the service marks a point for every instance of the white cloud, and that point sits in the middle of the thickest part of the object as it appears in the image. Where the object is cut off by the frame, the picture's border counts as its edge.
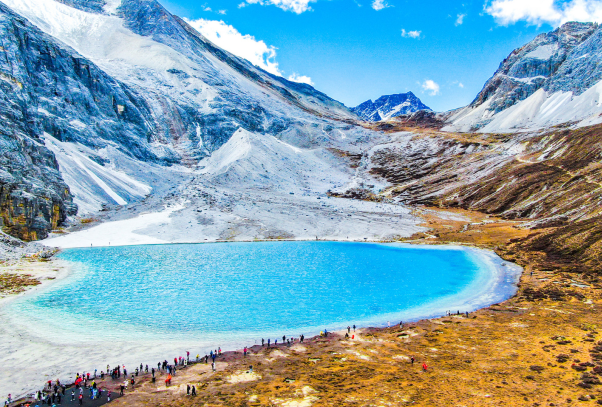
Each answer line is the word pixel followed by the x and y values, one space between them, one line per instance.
pixel 410 34
pixel 431 87
pixel 544 11
pixel 460 85
pixel 245 46
pixel 460 19
pixel 380 4
pixel 296 6
pixel 221 12
pixel 300 78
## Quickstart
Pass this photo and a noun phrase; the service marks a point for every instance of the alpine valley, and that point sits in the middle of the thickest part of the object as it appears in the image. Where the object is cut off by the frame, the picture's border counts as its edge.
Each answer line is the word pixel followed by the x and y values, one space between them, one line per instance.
pixel 122 125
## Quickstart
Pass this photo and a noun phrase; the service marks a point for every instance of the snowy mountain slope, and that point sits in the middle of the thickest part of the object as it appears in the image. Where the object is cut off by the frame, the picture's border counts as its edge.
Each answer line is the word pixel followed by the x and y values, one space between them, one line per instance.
pixel 199 94
pixel 103 83
pixel 386 107
pixel 253 187
pixel 552 80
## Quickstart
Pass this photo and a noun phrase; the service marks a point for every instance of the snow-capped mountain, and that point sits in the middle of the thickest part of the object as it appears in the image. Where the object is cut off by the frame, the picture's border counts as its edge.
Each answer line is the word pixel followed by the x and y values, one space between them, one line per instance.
pixel 389 106
pixel 124 97
pixel 551 80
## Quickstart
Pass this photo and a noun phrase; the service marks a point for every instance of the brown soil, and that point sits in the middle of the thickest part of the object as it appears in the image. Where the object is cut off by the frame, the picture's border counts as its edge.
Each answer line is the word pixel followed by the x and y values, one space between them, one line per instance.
pixel 16 283
pixel 540 348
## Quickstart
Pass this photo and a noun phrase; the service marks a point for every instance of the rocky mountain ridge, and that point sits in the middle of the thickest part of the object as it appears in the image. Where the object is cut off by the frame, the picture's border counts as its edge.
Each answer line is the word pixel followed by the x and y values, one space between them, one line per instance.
pixel 388 106
pixel 553 79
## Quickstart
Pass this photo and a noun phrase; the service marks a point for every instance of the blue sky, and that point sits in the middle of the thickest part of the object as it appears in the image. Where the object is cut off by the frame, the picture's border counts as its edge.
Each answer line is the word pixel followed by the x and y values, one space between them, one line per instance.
pixel 355 50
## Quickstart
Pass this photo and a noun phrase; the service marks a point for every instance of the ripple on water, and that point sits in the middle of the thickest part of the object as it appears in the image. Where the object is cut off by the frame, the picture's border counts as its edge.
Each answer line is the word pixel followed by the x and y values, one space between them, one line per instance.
pixel 240 290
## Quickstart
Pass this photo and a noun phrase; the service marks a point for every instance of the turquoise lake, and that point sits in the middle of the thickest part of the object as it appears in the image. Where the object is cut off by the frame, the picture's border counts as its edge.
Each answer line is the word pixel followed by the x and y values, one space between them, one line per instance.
pixel 241 291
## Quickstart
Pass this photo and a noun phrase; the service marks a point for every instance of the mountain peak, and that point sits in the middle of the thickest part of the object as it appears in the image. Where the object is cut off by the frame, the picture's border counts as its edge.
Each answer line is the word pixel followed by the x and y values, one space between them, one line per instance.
pixel 388 106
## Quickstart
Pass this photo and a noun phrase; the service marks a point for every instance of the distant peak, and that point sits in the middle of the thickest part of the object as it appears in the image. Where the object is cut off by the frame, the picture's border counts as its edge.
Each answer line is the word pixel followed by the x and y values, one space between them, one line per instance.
pixel 388 106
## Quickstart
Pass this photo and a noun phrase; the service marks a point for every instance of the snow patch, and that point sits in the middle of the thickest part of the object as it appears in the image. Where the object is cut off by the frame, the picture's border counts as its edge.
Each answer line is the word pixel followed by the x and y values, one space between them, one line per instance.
pixel 543 52
pixel 117 233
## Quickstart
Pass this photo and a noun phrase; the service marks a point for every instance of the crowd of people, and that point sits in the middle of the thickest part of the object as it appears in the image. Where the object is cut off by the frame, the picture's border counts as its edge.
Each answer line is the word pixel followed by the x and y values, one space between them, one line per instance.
pixel 87 386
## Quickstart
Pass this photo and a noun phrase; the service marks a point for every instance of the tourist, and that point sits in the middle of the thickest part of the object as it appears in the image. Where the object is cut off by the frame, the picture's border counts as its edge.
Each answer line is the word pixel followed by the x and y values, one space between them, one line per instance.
pixel 81 399
pixel 72 395
pixel 245 352
pixel 108 396
pixel 353 327
pixel 268 342
pixel 302 337
pixel 121 389
pixel 197 358
pixel 412 359
pixel 220 351
pixel 251 369
pixel 424 367
pixel 283 338
pixel 348 330
pixel 188 390
pixel 146 369
pixel 213 366
pixel 262 342
pixel 193 390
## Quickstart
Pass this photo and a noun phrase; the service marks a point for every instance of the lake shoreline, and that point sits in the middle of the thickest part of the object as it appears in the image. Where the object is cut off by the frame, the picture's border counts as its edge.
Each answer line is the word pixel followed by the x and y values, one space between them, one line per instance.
pixel 132 346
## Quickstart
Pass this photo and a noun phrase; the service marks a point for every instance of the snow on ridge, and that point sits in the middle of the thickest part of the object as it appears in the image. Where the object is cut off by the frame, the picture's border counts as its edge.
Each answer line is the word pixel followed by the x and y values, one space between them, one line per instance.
pixel 541 109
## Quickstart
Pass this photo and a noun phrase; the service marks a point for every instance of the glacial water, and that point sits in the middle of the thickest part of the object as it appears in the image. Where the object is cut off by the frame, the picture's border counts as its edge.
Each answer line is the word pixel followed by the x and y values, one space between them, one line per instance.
pixel 236 292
